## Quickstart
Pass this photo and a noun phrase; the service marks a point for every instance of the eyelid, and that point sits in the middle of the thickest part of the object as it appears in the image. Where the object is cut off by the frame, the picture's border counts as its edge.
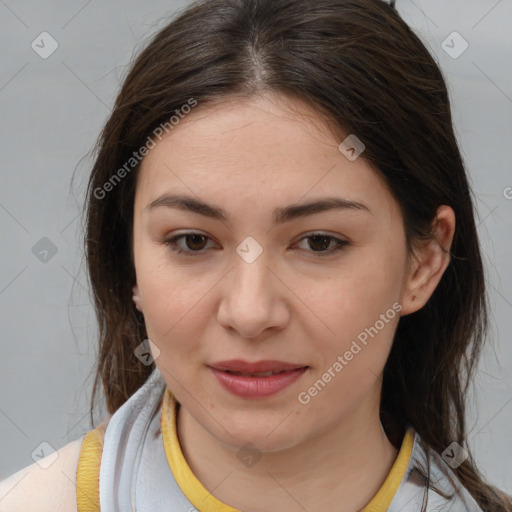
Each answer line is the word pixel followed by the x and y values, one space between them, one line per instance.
pixel 172 243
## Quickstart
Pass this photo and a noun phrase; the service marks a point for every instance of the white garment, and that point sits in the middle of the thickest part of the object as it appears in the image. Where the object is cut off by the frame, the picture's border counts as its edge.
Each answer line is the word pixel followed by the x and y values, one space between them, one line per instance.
pixel 135 474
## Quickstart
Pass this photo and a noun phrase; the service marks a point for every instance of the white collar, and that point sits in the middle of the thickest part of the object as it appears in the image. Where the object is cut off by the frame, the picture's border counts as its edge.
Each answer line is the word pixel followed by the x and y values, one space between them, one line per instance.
pixel 135 474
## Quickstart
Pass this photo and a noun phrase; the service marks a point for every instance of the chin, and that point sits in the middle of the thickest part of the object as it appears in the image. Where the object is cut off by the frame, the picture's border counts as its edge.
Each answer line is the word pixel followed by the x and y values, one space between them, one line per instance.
pixel 261 442
pixel 266 434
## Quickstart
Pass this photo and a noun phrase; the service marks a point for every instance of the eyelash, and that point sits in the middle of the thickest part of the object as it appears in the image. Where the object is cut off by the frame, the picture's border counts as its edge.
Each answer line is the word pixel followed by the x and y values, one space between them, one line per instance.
pixel 173 246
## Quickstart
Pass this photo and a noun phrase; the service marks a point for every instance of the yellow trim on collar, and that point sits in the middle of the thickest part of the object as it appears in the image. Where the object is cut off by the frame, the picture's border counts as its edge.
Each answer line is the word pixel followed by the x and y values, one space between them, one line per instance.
pixel 202 500
pixel 88 471
pixel 382 500
pixel 192 488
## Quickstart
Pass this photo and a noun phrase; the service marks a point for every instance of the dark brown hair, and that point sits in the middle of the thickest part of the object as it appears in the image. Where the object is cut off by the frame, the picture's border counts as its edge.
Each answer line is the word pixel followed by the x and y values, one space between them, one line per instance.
pixel 358 63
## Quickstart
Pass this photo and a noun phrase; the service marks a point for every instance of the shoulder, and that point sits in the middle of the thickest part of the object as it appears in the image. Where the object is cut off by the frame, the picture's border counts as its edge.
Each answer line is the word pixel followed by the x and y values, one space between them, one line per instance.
pixel 48 485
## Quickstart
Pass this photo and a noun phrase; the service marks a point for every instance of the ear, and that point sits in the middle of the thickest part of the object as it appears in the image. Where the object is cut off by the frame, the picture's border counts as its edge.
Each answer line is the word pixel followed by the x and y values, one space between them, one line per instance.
pixel 136 298
pixel 429 263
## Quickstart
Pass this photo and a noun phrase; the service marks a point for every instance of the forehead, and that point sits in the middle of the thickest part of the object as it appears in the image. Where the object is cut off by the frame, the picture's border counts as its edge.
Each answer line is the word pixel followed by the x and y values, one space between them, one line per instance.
pixel 266 149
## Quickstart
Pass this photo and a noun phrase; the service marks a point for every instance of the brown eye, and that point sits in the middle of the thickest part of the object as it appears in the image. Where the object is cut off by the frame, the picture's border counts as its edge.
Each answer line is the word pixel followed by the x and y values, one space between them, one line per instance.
pixel 194 244
pixel 319 242
pixel 323 245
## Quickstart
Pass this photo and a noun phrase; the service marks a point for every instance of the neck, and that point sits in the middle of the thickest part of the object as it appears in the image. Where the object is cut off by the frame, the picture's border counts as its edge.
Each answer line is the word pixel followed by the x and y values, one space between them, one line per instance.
pixel 341 469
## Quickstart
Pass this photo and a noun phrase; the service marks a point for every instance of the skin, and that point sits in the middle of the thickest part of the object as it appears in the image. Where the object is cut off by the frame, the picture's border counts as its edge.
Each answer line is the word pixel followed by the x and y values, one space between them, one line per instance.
pixel 290 304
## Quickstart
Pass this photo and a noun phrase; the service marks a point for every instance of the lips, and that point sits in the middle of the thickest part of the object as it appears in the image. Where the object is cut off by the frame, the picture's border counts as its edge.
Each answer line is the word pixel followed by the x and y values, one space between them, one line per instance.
pixel 259 368
pixel 260 379
pixel 255 374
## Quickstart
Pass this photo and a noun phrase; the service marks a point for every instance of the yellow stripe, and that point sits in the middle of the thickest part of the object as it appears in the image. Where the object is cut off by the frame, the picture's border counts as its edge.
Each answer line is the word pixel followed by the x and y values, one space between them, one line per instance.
pixel 192 488
pixel 88 471
pixel 382 500
pixel 202 500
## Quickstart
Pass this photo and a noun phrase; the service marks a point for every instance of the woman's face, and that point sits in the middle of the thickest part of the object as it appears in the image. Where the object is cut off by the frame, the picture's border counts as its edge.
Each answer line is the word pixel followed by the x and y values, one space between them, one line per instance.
pixel 260 285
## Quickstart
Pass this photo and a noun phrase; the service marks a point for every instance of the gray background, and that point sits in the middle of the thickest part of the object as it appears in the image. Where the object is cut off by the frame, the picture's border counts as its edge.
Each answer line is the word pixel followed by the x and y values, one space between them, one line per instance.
pixel 52 111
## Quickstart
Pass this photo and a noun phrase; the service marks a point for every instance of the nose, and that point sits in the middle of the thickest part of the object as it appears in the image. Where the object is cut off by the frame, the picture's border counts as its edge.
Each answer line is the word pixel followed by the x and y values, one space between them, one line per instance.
pixel 254 299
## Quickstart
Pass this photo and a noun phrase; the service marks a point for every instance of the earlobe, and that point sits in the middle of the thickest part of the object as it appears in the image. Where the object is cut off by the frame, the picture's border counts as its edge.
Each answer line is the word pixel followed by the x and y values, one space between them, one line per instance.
pixel 136 298
pixel 430 263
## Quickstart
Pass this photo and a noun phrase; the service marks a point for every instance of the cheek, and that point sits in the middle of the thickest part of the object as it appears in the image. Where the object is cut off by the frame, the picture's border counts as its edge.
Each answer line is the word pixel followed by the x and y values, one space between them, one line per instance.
pixel 174 310
pixel 359 310
pixel 350 361
pixel 354 299
pixel 172 305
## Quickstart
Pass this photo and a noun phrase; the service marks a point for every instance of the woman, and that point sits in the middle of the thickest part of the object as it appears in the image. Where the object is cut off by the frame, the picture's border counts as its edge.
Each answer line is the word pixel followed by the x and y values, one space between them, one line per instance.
pixel 286 272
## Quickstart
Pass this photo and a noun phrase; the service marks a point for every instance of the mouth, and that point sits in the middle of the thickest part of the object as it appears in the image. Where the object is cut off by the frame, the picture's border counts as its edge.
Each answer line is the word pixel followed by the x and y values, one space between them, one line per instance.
pixel 256 380
pixel 257 374
pixel 257 368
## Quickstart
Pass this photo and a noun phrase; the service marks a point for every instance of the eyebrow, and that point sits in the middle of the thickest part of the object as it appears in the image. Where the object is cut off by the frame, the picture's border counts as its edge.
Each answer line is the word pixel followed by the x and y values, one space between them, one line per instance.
pixel 280 215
